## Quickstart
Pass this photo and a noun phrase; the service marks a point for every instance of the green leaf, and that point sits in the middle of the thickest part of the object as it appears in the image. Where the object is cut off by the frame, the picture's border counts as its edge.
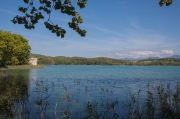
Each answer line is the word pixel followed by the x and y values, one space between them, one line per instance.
pixel 26 1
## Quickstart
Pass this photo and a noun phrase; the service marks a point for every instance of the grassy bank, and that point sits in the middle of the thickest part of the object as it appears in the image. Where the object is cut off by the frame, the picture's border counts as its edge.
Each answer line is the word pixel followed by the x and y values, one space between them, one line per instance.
pixel 23 67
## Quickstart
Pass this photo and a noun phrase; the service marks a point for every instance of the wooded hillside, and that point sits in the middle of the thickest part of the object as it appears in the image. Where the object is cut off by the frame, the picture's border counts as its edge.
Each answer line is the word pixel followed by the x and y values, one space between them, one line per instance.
pixel 62 60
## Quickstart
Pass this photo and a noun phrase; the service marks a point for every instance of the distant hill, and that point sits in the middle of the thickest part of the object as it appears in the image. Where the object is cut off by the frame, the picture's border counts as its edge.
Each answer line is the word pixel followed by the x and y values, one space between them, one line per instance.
pixel 62 60
pixel 153 57
pixel 175 56
pixel 142 58
pixel 37 55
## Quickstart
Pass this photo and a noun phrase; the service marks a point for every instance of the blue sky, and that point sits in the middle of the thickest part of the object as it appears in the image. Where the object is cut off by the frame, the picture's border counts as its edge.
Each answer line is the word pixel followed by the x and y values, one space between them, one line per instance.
pixel 115 28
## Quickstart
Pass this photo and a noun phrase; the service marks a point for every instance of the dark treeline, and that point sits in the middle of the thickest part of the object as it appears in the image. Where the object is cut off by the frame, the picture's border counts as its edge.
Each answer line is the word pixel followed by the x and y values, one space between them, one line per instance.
pixel 62 60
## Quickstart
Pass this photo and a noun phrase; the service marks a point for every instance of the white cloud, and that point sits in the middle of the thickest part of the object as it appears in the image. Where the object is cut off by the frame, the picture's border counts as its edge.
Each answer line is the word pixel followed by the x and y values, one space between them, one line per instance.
pixel 125 55
pixel 145 54
pixel 170 52
pixel 8 11
pixel 120 55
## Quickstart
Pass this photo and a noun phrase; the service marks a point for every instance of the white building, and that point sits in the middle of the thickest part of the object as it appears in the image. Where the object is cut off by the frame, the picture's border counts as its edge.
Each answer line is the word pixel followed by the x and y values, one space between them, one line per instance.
pixel 33 61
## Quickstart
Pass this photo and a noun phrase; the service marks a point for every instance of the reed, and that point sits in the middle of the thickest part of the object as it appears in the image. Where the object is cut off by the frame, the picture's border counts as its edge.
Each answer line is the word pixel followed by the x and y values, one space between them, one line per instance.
pixel 156 102
pixel 161 102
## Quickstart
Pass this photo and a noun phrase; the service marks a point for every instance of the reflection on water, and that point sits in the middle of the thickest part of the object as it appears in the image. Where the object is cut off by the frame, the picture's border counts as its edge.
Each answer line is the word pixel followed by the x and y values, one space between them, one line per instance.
pixel 33 75
pixel 71 92
pixel 13 93
pixel 23 96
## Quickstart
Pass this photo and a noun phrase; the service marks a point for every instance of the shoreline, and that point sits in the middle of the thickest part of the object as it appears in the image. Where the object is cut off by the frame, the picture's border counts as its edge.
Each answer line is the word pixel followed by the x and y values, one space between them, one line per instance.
pixel 22 67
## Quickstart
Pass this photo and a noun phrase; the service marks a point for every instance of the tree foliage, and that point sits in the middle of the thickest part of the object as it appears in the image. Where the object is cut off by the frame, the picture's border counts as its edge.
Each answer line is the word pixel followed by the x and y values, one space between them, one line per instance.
pixel 167 2
pixel 32 15
pixel 14 49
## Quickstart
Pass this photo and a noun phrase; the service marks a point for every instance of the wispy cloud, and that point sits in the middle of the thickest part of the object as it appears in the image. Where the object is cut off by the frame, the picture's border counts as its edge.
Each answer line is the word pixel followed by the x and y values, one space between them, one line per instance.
pixel 8 11
pixel 105 30
pixel 135 41
pixel 134 22
pixel 169 52
pixel 109 31
pixel 144 54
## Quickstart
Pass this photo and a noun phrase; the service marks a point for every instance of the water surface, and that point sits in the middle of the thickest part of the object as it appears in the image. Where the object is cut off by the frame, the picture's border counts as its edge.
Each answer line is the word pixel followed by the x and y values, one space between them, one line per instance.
pixel 57 91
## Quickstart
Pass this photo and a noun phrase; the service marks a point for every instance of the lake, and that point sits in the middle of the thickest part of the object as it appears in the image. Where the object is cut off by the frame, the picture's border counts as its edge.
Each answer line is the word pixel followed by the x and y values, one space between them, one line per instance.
pixel 80 91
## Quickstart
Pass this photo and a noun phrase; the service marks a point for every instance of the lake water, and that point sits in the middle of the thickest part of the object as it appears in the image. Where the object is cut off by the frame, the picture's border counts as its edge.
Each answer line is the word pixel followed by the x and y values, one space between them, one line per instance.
pixel 69 91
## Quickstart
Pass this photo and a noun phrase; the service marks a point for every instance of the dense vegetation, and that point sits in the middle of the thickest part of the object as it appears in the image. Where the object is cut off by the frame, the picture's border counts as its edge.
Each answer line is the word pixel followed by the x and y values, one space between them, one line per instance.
pixel 14 49
pixel 13 89
pixel 61 60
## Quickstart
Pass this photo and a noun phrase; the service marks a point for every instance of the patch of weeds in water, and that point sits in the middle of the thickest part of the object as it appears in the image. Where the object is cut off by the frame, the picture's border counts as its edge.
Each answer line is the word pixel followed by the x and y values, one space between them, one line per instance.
pixel 161 102
pixel 59 100
pixel 13 89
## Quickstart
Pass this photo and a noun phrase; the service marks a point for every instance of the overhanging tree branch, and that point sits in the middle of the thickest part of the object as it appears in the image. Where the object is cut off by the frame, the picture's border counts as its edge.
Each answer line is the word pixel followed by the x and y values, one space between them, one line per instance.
pixel 33 14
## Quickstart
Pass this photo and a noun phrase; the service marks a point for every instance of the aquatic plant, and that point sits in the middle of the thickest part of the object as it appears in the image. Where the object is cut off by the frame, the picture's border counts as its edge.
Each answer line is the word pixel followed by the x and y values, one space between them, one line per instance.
pixel 56 99
pixel 161 102
pixel 13 89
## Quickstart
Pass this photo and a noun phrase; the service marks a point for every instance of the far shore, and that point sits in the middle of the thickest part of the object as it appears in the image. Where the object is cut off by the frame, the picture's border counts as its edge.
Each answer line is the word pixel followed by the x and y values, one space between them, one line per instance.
pixel 22 67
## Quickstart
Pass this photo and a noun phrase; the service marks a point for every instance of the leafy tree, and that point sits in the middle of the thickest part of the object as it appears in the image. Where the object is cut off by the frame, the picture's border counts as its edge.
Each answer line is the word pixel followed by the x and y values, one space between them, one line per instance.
pixel 32 14
pixel 14 49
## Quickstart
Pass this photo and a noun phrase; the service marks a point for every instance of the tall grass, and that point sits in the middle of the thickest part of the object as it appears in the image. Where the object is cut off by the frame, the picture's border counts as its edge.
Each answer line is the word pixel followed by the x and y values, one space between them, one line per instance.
pixel 56 100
